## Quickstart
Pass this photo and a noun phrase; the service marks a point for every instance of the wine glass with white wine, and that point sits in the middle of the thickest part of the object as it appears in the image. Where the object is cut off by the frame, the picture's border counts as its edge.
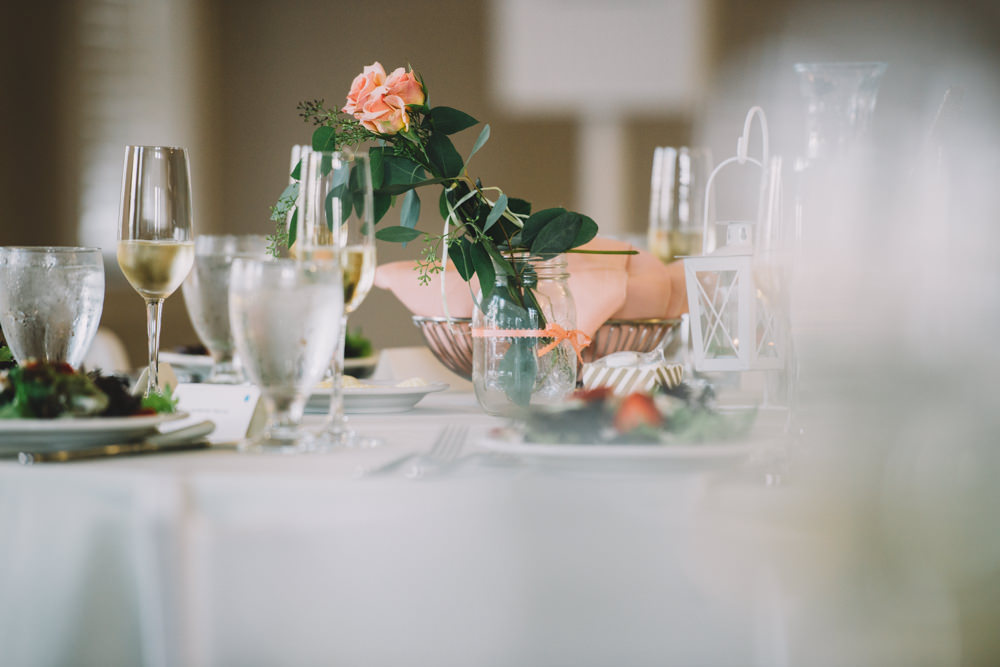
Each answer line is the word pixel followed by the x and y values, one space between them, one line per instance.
pixel 676 222
pixel 155 235
pixel 336 224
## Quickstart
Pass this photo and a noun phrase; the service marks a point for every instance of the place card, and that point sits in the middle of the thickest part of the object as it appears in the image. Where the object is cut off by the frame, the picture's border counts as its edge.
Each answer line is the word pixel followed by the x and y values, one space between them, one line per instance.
pixel 235 408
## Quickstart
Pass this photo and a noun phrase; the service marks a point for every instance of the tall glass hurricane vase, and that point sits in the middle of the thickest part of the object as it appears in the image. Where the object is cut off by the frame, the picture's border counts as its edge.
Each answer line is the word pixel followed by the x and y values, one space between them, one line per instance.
pixel 155 233
pixel 336 223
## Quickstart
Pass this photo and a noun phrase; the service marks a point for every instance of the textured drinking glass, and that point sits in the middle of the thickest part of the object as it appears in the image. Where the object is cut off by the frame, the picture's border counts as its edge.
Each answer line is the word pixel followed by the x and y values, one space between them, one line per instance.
pixel 677 201
pixel 286 317
pixel 50 301
pixel 155 246
pixel 336 222
pixel 206 295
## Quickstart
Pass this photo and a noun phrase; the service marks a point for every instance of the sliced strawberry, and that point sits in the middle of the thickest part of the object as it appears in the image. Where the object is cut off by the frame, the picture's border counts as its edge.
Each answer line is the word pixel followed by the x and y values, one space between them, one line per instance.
pixel 637 410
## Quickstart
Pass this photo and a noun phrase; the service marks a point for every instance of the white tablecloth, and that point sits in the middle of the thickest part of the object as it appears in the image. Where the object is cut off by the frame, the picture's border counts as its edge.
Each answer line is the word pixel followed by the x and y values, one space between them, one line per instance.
pixel 217 558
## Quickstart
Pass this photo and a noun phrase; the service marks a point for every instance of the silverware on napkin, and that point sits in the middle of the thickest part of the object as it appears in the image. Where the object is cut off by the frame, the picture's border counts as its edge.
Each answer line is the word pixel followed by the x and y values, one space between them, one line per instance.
pixel 186 438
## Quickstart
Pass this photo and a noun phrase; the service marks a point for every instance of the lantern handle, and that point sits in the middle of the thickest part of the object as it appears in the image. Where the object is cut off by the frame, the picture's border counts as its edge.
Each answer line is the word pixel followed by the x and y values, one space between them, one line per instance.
pixel 742 148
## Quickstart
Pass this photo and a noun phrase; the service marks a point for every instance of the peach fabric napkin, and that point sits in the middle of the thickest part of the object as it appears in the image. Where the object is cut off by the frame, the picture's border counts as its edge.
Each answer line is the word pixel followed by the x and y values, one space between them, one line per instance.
pixel 604 287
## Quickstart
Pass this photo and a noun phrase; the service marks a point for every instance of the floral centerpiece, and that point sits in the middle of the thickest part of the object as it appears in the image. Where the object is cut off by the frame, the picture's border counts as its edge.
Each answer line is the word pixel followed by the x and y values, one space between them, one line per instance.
pixel 486 233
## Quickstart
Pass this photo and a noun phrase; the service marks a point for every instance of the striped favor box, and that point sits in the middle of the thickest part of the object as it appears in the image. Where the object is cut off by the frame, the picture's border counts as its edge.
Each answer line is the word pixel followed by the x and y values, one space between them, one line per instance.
pixel 625 380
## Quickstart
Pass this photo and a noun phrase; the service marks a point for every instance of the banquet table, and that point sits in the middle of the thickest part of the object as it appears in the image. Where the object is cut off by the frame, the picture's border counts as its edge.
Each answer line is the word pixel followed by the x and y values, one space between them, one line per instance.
pixel 219 558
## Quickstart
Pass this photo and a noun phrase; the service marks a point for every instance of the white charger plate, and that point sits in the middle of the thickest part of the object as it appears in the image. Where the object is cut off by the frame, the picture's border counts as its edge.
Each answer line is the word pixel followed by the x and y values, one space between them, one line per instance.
pixel 43 435
pixel 383 397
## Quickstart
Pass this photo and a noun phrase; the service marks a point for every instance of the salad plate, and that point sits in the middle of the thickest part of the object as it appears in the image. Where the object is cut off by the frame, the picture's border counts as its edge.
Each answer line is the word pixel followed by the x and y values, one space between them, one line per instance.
pixel 67 433
pixel 511 443
pixel 375 396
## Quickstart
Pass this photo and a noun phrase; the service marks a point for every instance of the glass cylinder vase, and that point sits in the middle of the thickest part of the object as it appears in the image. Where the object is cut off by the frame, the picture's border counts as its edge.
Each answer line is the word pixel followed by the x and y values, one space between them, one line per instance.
pixel 524 338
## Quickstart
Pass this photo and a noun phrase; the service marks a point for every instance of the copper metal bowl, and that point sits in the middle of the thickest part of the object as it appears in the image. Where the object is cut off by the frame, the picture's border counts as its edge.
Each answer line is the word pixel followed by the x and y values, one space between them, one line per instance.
pixel 451 340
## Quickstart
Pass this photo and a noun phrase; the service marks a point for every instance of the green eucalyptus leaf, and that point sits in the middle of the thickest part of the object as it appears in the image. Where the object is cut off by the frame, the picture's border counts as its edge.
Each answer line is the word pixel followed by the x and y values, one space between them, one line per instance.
pixel 381 203
pixel 443 204
pixel 484 269
pixel 399 170
pixel 293 227
pixel 297 171
pixel 376 162
pixel 401 188
pixel 397 234
pixel 536 222
pixel 498 208
pixel 518 370
pixel 500 263
pixel 484 136
pixel 324 139
pixel 409 212
pixel 558 235
pixel 449 121
pixel 461 256
pixel 519 206
pixel 588 230
pixel 443 155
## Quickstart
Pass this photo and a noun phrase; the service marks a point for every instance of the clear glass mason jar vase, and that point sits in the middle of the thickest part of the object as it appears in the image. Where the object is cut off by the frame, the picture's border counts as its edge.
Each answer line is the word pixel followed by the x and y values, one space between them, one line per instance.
pixel 513 363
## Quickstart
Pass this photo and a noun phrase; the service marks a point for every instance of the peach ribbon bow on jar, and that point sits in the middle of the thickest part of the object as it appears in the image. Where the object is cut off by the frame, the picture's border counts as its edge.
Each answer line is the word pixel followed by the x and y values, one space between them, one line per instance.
pixel 558 334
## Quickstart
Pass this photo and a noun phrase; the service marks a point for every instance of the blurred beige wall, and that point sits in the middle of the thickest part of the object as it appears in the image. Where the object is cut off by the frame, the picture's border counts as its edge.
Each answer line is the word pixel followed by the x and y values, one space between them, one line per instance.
pixel 259 59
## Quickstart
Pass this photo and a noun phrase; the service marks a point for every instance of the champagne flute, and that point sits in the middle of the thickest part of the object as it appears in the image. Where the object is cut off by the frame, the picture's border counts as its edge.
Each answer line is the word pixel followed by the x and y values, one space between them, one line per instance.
pixel 677 201
pixel 676 222
pixel 155 244
pixel 336 223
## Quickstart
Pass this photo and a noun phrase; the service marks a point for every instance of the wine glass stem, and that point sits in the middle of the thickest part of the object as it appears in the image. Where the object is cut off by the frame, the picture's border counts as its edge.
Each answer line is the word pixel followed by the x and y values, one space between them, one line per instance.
pixel 336 420
pixel 154 309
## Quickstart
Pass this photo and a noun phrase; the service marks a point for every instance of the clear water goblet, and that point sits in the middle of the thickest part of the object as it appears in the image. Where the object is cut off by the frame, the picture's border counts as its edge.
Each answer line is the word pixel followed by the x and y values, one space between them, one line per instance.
pixel 51 300
pixel 286 316
pixel 206 295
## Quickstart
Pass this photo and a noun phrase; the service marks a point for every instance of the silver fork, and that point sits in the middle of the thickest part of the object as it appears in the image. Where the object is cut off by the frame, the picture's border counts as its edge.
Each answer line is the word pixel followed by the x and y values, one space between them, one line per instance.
pixel 444 452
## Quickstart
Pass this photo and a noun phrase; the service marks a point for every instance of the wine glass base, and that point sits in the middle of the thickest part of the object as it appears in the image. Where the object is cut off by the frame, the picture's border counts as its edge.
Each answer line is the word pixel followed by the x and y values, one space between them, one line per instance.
pixel 299 442
pixel 343 438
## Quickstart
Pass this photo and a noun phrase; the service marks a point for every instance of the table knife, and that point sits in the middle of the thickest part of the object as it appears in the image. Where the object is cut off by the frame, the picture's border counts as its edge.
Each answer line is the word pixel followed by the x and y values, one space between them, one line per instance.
pixel 186 438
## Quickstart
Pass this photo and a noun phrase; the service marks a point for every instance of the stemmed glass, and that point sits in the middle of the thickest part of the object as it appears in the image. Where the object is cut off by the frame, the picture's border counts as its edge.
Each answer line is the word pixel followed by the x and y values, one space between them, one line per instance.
pixel 676 214
pixel 155 244
pixel 206 295
pixel 772 265
pixel 336 222
pixel 286 316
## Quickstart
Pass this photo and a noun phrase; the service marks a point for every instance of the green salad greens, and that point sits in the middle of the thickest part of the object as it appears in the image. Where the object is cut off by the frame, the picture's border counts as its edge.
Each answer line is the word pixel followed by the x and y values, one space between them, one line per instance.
pixel 49 391
pixel 356 345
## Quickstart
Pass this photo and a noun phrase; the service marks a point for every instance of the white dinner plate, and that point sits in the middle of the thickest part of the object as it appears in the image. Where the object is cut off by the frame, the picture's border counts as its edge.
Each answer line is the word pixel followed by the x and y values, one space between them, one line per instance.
pixel 596 457
pixel 41 435
pixel 382 397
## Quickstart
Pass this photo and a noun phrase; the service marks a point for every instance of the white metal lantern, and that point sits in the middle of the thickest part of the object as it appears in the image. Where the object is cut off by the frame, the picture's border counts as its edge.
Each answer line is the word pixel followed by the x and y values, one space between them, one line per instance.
pixel 732 329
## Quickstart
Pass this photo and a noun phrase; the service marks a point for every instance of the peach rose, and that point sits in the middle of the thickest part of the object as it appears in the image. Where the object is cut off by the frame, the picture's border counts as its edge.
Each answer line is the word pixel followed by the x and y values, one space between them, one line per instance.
pixel 405 85
pixel 383 113
pixel 363 85
pixel 380 102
